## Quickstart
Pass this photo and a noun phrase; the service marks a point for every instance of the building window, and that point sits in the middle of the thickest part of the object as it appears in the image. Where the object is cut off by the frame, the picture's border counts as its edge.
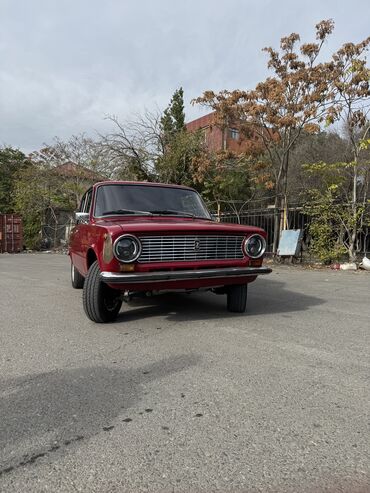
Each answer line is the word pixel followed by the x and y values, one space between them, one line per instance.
pixel 234 133
pixel 204 131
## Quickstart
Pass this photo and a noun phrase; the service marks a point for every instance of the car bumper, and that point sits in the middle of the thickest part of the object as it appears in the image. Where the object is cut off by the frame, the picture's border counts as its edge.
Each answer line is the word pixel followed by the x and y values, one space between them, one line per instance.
pixel 181 275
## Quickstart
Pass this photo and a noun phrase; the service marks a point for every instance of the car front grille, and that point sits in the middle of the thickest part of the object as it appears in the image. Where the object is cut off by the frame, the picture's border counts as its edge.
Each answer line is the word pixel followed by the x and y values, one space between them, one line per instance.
pixel 190 248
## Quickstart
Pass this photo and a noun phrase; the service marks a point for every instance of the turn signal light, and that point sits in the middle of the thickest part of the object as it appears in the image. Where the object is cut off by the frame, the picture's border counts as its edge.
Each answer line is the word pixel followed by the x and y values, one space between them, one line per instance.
pixel 255 263
pixel 127 267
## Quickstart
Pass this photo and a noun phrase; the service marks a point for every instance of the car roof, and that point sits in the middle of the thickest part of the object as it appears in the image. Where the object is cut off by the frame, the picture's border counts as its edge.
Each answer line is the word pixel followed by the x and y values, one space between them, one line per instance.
pixel 145 183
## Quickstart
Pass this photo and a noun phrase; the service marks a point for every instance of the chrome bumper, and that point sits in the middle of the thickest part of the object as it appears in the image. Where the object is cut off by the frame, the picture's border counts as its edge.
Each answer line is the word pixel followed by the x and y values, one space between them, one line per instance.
pixel 181 275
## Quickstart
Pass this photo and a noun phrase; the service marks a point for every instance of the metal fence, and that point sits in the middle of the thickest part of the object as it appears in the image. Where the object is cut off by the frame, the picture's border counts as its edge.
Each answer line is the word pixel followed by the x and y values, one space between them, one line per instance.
pixel 264 218
pixel 56 230
pixel 296 219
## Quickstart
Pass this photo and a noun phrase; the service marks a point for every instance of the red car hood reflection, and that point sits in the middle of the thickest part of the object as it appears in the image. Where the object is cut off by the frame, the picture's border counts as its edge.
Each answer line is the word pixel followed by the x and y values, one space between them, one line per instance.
pixel 145 225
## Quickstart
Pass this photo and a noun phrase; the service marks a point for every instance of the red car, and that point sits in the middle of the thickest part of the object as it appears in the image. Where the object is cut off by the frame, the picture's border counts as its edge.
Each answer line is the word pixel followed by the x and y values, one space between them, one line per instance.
pixel 135 238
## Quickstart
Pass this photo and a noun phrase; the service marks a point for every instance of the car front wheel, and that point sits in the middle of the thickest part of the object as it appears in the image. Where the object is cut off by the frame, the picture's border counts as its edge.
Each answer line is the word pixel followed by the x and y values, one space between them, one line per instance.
pixel 101 303
pixel 237 298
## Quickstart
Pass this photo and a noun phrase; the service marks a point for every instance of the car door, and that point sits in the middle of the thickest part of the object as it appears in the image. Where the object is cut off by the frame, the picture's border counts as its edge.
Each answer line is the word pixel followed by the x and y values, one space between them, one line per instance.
pixel 85 230
pixel 78 234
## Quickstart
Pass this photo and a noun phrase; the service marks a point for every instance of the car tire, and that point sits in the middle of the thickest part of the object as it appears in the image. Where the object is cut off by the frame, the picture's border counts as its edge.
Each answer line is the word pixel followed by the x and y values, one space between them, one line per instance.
pixel 101 303
pixel 77 279
pixel 237 298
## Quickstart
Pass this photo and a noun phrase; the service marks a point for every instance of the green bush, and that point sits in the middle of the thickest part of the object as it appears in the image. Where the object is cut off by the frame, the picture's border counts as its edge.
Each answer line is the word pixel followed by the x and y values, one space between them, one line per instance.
pixel 326 219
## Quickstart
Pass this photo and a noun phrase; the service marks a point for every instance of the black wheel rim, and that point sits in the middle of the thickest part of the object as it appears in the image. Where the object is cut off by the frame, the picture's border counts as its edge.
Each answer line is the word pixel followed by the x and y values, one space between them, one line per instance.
pixel 111 301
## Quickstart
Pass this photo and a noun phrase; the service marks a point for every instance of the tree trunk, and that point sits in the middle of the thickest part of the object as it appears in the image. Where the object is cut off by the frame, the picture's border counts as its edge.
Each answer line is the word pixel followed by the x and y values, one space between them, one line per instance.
pixel 218 212
pixel 280 199
pixel 56 242
pixel 276 225
pixel 352 251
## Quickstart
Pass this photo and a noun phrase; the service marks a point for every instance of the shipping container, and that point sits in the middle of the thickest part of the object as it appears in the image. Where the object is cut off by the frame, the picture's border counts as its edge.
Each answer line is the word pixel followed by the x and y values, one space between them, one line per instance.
pixel 11 233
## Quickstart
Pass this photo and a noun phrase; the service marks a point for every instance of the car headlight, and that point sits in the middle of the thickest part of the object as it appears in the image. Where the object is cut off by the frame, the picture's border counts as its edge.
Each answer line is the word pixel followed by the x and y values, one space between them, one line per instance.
pixel 127 248
pixel 255 246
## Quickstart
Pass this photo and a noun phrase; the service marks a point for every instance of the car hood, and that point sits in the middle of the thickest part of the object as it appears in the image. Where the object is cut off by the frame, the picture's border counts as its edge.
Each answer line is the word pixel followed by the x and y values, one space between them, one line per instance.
pixel 159 224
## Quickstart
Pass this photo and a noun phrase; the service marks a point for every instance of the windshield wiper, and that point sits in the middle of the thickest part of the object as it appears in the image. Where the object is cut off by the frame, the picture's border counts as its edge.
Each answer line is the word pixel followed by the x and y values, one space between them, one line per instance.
pixel 126 211
pixel 172 213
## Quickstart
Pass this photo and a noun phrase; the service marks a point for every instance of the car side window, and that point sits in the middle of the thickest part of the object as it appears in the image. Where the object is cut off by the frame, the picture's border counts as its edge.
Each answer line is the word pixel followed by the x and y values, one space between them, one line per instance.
pixel 82 203
pixel 88 201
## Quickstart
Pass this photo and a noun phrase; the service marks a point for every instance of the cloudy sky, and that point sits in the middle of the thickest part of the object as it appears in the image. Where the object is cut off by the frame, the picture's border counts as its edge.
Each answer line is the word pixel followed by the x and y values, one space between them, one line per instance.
pixel 65 64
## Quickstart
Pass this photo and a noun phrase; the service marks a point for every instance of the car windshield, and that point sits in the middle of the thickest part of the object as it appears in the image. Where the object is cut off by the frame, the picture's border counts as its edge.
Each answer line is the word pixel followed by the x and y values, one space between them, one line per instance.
pixel 147 200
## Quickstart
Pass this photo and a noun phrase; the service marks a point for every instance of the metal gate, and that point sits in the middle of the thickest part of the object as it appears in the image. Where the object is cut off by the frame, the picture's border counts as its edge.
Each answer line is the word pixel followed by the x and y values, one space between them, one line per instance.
pixel 11 233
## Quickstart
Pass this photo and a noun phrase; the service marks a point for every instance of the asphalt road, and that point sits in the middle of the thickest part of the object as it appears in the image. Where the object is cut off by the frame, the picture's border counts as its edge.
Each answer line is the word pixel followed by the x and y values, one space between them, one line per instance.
pixel 180 396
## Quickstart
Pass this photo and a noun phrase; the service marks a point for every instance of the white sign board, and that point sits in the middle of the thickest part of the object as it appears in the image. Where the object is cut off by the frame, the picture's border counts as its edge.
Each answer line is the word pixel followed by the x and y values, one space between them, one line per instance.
pixel 290 243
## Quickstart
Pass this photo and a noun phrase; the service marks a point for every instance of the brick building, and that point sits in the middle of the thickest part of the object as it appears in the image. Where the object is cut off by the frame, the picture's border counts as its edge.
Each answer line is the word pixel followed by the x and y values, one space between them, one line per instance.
pixel 218 139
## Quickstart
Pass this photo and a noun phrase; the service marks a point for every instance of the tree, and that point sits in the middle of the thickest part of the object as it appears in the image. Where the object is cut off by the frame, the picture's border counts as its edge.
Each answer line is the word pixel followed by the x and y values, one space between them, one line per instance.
pixel 296 98
pixel 36 191
pixel 176 164
pixel 231 181
pixel 352 84
pixel 12 161
pixel 83 151
pixel 88 163
pixel 134 146
pixel 154 146
pixel 179 147
pixel 56 178
pixel 326 146
pixel 328 204
pixel 173 118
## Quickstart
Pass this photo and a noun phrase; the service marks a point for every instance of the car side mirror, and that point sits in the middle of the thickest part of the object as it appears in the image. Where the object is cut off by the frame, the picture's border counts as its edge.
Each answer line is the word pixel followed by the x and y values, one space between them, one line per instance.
pixel 81 217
